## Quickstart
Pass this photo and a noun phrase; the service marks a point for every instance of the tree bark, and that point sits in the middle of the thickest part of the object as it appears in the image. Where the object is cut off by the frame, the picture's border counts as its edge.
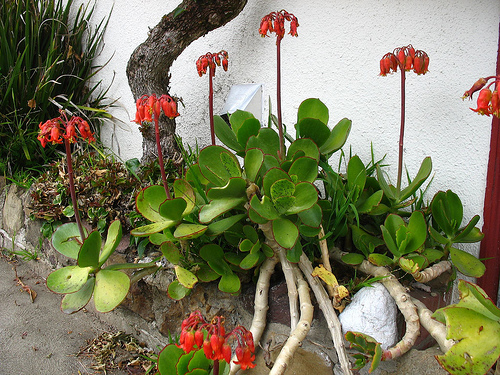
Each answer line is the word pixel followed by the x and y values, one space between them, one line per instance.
pixel 149 65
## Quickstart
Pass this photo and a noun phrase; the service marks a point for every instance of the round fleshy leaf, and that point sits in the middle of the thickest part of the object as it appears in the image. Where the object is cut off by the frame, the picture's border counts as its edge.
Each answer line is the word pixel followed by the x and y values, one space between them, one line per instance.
pixel 305 195
pixel 74 302
pixel 314 129
pixel 305 168
pixel 89 252
pixel 306 147
pixel 271 176
pixel 267 140
pixel 285 232
pixel 220 226
pixel 185 277
pixel 153 228
pixel 173 209
pixel 313 108
pixel 68 279
pixel 250 127
pixel 168 358
pixel 111 288
pixel 218 165
pixel 148 202
pixel 67 241
pixel 225 134
pixel 353 258
pixel 177 291
pixel 214 256
pixel 182 189
pixel 250 261
pixel 171 252
pixel 229 283
pixel 188 231
pixel 337 138
pixel 467 263
pixel 206 274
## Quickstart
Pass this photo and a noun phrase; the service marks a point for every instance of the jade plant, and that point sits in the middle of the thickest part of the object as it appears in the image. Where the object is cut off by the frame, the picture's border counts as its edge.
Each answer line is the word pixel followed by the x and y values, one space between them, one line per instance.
pixel 90 276
pixel 251 203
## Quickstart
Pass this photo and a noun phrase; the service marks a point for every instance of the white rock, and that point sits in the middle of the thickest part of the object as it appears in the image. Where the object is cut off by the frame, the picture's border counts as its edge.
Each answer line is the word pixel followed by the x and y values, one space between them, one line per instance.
pixel 372 312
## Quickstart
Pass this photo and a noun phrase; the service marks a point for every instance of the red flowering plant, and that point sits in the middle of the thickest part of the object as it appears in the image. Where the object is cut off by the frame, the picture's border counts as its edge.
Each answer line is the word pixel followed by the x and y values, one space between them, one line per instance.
pixel 405 59
pixel 211 339
pixel 274 22
pixel 210 61
pixel 488 102
pixel 87 277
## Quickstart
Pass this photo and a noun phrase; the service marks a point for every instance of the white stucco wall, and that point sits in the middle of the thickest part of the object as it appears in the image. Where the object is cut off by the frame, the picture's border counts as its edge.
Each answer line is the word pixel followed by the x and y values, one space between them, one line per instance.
pixel 335 58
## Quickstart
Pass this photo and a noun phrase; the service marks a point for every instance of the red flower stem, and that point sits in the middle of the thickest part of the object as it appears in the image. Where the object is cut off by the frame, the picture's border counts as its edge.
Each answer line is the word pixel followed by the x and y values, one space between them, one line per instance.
pixel 402 129
pixel 211 103
pixel 281 154
pixel 160 159
pixel 216 367
pixel 72 188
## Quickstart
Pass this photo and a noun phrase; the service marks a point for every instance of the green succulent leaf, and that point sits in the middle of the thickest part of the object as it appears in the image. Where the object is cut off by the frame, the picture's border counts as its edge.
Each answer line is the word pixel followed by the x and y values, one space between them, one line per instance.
pixel 313 108
pixel 67 241
pixel 250 127
pixel 305 168
pixel 177 291
pixel 185 277
pixel 68 279
pixel 173 209
pixel 254 158
pixel 353 258
pixel 285 232
pixel 267 140
pixel 206 274
pixel 250 261
pixel 389 190
pixel 467 263
pixel 217 227
pixel 226 135
pixel 189 231
pixel 170 252
pixel 370 204
pixel 422 174
pixel 263 208
pixel 337 138
pixel 356 175
pixel 238 118
pixel 303 147
pixel 214 256
pixel 153 228
pixel 218 165
pixel 112 241
pixel 182 189
pixel 111 288
pixel 469 233
pixel 474 322
pixel 74 302
pixel 380 260
pixel 148 202
pixel 168 359
pixel 314 129
pixel 229 283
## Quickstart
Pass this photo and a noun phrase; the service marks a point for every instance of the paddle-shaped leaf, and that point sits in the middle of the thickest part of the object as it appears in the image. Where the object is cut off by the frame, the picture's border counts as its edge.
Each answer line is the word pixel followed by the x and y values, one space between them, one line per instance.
pixel 111 288
pixel 68 279
pixel 66 240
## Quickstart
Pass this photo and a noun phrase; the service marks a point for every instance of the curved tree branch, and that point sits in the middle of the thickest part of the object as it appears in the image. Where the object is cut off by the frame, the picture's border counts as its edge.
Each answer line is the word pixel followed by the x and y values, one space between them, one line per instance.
pixel 149 65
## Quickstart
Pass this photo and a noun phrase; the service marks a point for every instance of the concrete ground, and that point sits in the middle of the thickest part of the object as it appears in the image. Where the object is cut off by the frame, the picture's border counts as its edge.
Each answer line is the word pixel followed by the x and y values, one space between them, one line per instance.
pixel 36 338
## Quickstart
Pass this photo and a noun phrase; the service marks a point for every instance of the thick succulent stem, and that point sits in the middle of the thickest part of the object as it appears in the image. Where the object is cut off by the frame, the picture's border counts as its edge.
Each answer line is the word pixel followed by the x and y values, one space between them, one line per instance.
pixel 325 259
pixel 328 311
pixel 403 301
pixel 260 303
pixel 436 329
pixel 300 332
pixel 432 272
pixel 291 286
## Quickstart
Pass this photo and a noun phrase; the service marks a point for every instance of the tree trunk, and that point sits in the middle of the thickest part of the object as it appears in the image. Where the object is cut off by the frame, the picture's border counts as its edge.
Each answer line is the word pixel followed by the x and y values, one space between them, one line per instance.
pixel 149 65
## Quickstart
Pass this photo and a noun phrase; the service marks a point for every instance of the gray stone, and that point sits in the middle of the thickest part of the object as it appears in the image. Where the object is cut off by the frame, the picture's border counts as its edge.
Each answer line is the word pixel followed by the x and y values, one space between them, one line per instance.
pixel 13 213
pixel 372 312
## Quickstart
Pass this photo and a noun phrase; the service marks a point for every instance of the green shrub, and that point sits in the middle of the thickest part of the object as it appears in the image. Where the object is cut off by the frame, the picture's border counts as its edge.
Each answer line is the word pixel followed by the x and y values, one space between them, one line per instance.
pixel 46 53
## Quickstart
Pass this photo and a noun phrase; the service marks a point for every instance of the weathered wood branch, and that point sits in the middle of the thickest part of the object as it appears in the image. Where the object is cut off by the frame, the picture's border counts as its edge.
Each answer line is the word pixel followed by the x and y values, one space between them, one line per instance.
pixel 149 66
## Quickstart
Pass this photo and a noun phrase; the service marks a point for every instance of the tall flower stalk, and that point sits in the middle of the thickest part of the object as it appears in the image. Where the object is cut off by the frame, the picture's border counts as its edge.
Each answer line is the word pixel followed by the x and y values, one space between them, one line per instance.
pixel 275 22
pixel 149 109
pixel 209 62
pixel 61 130
pixel 406 59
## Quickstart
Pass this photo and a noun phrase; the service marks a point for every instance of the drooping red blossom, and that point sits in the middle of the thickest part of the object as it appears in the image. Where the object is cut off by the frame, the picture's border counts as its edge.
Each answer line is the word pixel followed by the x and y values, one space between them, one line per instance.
pixel 406 58
pixel 483 102
pixel 478 85
pixel 151 106
pixel 212 60
pixel 495 103
pixel 274 22
pixel 197 333
pixel 57 129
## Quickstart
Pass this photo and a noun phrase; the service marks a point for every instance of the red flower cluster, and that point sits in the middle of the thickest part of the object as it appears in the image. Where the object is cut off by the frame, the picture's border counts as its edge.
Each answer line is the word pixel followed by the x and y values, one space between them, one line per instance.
pixel 149 106
pixel 56 129
pixel 212 60
pixel 197 334
pixel 406 58
pixel 488 102
pixel 275 22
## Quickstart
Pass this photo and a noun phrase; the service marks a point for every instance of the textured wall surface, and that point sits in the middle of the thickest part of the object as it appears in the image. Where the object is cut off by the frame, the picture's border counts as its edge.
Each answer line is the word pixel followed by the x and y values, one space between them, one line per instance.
pixel 335 58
